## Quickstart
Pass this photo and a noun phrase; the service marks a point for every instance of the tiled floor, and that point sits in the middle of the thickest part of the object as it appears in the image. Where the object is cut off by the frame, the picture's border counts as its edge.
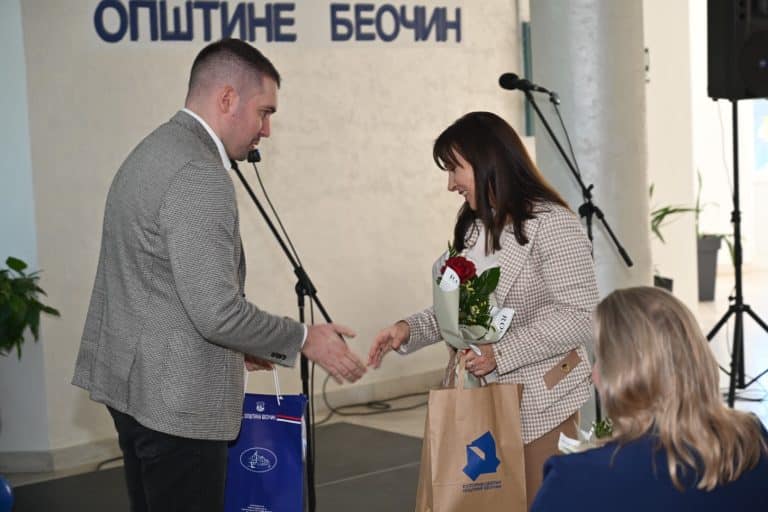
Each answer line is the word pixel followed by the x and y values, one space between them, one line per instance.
pixel 756 360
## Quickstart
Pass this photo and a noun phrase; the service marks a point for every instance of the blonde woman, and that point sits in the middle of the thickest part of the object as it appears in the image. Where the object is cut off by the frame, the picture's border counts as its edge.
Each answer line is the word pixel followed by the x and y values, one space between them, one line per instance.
pixel 676 446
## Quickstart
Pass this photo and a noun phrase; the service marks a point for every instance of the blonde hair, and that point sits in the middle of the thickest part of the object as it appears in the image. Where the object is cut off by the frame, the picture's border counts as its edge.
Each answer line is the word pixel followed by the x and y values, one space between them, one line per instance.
pixel 657 375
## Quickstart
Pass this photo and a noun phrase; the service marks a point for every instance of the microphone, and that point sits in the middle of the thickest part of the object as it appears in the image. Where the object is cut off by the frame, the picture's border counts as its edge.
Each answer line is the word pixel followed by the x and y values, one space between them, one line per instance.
pixel 511 81
pixel 253 157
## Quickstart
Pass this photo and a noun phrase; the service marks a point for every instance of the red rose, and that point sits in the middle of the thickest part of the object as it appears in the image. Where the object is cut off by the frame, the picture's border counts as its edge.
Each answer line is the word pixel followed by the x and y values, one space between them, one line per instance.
pixel 462 266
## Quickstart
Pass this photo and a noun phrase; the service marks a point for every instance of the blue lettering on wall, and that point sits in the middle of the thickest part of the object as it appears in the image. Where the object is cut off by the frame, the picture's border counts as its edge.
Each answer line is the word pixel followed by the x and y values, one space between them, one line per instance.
pixel 368 22
pixel 98 20
pixel 206 8
pixel 228 24
pixel 246 20
pixel 151 6
pixel 341 29
pixel 176 34
pixel 155 20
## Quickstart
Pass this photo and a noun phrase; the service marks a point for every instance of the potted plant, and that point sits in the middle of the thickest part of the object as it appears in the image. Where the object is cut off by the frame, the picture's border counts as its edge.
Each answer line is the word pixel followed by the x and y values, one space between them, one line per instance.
pixel 19 306
pixel 707 244
pixel 659 217
pixel 19 309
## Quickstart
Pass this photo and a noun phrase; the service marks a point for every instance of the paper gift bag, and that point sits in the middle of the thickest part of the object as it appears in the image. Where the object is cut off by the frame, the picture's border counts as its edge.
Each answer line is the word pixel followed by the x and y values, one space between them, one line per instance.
pixel 265 467
pixel 472 456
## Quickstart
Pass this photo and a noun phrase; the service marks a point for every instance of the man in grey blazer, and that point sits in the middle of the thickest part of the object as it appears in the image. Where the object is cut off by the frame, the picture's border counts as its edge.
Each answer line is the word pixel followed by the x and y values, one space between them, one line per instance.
pixel 168 326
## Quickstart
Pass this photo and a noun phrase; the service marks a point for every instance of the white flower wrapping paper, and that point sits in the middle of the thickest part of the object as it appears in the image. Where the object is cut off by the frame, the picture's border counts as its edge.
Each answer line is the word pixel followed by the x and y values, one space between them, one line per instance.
pixel 445 296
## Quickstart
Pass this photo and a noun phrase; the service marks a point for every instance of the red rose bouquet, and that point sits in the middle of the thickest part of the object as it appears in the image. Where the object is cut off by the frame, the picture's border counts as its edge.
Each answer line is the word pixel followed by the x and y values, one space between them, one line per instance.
pixel 463 301
pixel 462 266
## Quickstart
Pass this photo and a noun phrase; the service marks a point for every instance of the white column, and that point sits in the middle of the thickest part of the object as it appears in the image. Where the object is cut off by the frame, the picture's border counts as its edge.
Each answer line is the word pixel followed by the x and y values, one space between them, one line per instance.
pixel 591 53
pixel 23 411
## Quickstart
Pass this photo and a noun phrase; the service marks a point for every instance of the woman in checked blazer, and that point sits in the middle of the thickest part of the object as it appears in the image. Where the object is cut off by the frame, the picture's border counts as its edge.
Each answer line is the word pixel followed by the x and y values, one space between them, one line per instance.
pixel 514 219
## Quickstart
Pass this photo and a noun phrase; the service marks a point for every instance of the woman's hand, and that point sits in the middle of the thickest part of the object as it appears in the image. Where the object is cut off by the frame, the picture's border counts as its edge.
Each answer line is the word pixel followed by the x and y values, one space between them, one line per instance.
pixel 388 339
pixel 483 364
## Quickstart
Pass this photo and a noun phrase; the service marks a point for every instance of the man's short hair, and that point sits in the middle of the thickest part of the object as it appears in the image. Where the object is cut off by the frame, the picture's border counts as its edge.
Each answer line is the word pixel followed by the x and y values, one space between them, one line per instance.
pixel 227 58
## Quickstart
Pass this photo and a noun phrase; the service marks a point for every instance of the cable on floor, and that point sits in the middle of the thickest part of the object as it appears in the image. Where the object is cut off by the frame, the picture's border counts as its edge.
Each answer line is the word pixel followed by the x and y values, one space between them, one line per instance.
pixel 370 408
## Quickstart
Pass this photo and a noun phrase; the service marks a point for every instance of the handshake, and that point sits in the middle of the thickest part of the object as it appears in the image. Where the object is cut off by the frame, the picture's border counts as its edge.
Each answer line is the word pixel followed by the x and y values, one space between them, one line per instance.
pixel 326 347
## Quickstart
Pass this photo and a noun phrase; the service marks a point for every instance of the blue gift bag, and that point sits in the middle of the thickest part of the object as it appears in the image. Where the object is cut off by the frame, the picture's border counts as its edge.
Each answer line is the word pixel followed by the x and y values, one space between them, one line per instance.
pixel 265 468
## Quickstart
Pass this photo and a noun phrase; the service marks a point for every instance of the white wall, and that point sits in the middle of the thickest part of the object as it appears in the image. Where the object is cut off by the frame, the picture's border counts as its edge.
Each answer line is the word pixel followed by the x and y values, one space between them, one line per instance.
pixel 349 167
pixel 670 139
pixel 23 415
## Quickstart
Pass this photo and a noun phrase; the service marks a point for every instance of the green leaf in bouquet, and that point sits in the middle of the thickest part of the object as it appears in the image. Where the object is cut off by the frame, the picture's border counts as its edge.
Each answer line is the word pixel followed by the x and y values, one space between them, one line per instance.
pixel 487 281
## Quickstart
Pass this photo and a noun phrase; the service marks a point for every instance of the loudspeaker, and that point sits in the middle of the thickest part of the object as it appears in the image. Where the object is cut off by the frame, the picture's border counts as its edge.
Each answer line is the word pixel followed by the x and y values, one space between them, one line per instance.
pixel 737 49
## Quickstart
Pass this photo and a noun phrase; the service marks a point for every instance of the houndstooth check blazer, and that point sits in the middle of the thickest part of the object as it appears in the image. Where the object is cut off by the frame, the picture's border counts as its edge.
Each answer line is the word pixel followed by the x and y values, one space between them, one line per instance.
pixel 550 283
pixel 168 321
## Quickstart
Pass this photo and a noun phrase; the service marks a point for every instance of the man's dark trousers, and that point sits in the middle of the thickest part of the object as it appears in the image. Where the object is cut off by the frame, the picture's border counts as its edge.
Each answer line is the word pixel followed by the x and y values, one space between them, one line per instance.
pixel 167 473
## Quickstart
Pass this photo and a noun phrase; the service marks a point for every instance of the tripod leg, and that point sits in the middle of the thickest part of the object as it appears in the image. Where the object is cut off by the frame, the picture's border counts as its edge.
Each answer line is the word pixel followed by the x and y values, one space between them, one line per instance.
pixel 734 366
pixel 738 340
pixel 756 318
pixel 765 328
pixel 720 323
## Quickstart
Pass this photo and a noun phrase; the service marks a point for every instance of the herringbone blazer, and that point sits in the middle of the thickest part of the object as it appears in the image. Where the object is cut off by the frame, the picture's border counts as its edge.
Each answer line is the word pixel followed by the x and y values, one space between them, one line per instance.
pixel 168 321
pixel 550 283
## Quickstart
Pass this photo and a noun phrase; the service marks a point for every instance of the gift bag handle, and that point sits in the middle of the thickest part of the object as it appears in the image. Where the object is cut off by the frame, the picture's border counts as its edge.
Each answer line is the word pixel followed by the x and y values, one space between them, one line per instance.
pixel 278 394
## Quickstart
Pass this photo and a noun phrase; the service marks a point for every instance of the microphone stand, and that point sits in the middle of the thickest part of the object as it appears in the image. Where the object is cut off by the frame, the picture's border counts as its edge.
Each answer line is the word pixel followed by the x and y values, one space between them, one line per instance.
pixel 304 288
pixel 588 209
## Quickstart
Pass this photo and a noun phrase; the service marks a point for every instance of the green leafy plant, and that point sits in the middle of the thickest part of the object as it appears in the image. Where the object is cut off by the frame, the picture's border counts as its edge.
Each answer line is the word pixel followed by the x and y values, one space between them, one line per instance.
pixel 661 215
pixel 19 307
pixel 602 428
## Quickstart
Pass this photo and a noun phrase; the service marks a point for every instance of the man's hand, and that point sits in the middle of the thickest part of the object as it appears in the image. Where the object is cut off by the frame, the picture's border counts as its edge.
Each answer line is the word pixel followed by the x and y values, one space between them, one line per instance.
pixel 253 363
pixel 388 339
pixel 325 347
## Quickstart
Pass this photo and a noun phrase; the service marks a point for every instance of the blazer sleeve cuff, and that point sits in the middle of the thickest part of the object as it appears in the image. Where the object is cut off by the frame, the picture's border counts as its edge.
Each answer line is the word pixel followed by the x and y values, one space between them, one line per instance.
pixel 424 331
pixel 287 354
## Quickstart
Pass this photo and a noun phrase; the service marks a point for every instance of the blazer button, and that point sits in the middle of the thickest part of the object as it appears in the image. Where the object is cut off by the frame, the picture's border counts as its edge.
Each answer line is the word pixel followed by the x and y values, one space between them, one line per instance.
pixel 565 367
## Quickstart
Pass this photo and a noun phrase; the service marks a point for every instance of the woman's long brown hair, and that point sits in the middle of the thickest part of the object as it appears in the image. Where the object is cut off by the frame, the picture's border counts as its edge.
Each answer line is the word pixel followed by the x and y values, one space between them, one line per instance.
pixel 508 185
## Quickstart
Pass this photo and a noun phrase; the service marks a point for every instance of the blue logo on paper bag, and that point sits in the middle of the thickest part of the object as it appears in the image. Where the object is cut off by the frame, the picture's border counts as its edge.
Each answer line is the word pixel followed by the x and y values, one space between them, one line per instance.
pixel 258 460
pixel 481 457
